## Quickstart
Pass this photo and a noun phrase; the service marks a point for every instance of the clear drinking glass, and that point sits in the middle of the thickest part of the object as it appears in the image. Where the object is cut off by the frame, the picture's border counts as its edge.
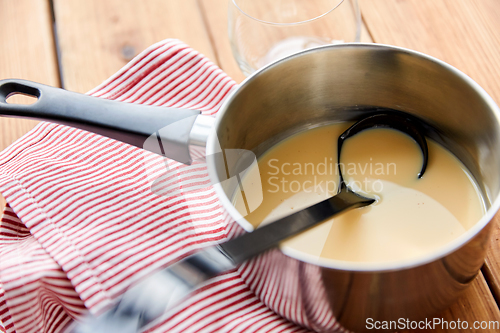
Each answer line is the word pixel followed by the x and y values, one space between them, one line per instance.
pixel 261 31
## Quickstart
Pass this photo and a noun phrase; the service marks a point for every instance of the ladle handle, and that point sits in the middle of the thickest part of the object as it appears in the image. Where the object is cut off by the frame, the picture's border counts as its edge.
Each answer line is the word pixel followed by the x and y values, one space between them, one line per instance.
pixel 126 122
pixel 262 239
pixel 149 299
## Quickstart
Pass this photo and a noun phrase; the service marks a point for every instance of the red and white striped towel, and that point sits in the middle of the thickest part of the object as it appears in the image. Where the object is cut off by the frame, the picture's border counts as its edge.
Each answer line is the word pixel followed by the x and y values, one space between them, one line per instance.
pixel 83 224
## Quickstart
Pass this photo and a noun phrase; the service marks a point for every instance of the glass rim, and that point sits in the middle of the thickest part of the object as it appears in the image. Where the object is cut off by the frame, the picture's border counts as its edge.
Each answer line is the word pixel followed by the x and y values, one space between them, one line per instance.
pixel 286 24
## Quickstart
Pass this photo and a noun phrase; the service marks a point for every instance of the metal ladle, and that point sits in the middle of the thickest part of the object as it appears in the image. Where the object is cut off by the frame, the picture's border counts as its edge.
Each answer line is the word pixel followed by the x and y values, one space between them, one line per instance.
pixel 150 298
pixel 132 123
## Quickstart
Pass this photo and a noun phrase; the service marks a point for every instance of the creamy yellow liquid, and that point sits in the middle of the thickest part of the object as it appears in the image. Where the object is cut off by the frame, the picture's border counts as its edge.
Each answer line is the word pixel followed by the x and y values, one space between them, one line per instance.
pixel 411 218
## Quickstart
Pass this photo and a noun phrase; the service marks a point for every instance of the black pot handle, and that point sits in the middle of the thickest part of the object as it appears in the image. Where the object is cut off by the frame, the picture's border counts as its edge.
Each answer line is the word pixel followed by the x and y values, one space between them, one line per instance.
pixel 126 122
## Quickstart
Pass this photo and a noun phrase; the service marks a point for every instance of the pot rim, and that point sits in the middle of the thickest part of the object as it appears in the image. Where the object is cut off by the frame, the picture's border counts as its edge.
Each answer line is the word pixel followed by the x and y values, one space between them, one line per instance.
pixel 449 248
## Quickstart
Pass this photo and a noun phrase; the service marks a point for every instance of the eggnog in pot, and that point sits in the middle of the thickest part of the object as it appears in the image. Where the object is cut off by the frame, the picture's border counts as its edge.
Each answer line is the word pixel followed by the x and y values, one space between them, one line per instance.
pixel 411 218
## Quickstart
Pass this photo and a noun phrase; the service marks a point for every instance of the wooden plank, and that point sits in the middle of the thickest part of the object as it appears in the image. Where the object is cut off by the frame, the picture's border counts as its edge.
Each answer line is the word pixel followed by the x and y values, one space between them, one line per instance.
pixel 491 268
pixel 463 33
pixel 489 14
pixel 365 34
pixel 26 51
pixel 96 38
pixel 477 304
pixel 215 13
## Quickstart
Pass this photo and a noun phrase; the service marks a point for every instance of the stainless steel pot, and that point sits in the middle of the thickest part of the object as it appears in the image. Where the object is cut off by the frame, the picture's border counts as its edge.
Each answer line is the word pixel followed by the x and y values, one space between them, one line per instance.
pixel 337 83
pixel 322 85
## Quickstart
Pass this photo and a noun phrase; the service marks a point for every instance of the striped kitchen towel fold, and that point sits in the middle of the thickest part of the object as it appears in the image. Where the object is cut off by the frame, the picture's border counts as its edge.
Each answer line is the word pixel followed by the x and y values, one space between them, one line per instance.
pixel 83 224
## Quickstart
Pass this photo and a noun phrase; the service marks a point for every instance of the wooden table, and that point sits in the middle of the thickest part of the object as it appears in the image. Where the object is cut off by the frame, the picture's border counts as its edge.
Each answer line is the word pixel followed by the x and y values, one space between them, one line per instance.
pixel 76 44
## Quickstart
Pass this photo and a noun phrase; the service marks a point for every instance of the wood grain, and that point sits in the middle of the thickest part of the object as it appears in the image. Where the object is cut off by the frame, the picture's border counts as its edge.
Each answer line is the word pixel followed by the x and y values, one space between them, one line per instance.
pixel 491 268
pixel 27 52
pixel 463 33
pixel 97 38
pixel 489 14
